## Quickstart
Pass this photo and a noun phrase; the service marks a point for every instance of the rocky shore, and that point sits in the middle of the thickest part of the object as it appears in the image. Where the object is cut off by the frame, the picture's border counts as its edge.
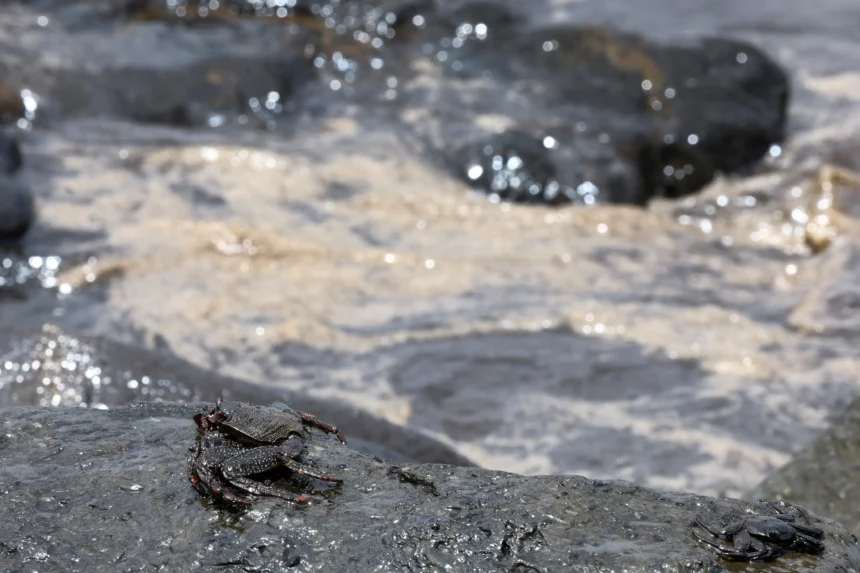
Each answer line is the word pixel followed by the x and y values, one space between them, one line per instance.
pixel 90 490
pixel 70 472
pixel 470 233
pixel 823 477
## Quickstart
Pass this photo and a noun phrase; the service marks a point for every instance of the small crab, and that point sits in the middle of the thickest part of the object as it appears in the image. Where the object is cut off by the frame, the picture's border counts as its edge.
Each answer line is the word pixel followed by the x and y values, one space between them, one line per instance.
pixel 763 537
pixel 242 440
pixel 257 425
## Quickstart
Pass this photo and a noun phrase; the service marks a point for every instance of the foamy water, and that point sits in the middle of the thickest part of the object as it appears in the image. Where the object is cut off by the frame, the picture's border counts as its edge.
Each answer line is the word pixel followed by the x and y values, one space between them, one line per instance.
pixel 694 345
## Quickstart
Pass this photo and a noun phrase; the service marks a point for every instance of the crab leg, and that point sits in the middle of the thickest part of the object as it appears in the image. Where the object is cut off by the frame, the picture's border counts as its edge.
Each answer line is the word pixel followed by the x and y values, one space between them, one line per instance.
pixel 306 471
pixel 808 529
pixel 724 550
pixel 258 488
pixel 258 460
pixel 810 543
pixel 285 454
pixel 760 551
pixel 314 421
pixel 780 513
pixel 727 531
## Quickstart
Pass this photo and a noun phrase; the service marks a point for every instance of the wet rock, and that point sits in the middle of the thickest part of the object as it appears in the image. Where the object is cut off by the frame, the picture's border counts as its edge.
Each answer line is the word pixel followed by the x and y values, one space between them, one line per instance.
pixel 10 155
pixel 16 200
pixel 162 74
pixel 628 118
pixel 823 477
pixel 11 104
pixel 89 490
pixel 16 209
pixel 516 166
pixel 50 367
pixel 207 93
pixel 676 115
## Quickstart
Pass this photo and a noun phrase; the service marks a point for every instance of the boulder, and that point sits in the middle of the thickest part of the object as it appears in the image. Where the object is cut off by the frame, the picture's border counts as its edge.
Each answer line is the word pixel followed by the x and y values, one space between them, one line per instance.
pixel 608 104
pixel 91 490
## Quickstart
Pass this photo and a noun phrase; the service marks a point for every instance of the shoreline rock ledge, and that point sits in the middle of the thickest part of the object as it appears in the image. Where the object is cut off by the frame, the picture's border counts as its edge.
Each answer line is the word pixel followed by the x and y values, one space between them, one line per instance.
pixel 95 490
pixel 823 476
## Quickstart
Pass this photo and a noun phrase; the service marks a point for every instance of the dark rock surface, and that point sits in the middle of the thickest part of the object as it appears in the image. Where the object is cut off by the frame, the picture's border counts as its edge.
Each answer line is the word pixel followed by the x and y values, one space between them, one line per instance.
pixel 589 114
pixel 10 154
pixel 518 166
pixel 16 201
pixel 176 77
pixel 824 476
pixel 89 490
pixel 50 367
pixel 17 210
pixel 670 117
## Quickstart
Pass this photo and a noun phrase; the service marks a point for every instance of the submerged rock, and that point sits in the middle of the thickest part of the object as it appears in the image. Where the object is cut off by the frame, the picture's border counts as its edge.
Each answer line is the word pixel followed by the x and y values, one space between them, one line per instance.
pixel 824 476
pixel 50 367
pixel 88 490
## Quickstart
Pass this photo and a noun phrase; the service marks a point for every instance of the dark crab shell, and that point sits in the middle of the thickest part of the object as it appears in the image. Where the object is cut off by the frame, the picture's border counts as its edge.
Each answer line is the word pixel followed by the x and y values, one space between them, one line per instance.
pixel 255 425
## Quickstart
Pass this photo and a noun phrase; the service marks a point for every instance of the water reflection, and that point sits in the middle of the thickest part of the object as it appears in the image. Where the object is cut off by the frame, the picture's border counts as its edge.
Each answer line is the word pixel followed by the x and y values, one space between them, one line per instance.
pixel 17 272
pixel 59 369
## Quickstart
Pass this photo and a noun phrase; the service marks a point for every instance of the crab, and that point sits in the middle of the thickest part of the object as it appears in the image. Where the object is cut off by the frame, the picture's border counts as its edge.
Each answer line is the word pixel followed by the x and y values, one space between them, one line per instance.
pixel 258 425
pixel 238 440
pixel 763 537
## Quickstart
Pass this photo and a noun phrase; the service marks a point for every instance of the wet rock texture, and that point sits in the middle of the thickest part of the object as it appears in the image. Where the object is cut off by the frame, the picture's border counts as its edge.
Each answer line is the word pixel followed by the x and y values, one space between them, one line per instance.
pixel 824 476
pixel 49 367
pixel 589 114
pixel 88 490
